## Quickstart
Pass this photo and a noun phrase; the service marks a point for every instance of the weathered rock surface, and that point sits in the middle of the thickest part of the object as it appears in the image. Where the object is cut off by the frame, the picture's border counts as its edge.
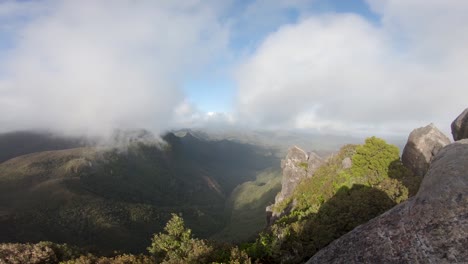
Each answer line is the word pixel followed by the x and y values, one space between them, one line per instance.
pixel 432 227
pixel 422 145
pixel 347 163
pixel 314 162
pixel 297 166
pixel 294 170
pixel 460 126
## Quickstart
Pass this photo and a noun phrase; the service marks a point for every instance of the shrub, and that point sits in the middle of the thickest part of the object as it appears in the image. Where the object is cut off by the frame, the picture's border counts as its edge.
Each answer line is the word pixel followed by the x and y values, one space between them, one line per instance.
pixel 374 159
pixel 27 253
pixel 121 259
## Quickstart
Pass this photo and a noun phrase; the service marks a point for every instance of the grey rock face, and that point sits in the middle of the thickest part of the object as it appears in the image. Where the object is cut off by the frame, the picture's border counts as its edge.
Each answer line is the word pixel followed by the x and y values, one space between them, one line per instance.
pixel 432 227
pixel 297 166
pixel 460 126
pixel 422 145
pixel 347 163
pixel 314 162
pixel 294 170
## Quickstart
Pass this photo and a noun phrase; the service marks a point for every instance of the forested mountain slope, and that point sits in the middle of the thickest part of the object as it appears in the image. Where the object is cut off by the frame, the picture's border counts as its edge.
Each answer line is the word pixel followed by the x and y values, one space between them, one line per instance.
pixel 113 199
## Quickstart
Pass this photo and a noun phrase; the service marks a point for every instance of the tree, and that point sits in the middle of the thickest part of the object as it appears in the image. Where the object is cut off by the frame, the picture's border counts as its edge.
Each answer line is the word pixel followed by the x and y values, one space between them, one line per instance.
pixel 176 244
pixel 374 157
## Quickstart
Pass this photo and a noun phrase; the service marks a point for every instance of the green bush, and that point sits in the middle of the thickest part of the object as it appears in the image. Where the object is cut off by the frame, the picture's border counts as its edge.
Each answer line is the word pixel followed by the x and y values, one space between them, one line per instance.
pixel 374 158
pixel 176 245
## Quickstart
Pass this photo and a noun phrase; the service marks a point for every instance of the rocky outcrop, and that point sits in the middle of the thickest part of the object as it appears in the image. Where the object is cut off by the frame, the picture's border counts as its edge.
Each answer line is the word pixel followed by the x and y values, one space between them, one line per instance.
pixel 432 227
pixel 460 126
pixel 294 170
pixel 297 166
pixel 314 162
pixel 422 145
pixel 347 163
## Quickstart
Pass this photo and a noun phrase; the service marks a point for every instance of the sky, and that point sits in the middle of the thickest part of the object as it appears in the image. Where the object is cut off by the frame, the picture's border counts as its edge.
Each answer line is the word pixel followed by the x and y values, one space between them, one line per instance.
pixel 355 67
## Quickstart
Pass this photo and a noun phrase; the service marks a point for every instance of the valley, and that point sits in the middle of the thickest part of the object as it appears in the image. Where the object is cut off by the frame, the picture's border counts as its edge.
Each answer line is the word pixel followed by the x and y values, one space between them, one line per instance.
pixel 108 199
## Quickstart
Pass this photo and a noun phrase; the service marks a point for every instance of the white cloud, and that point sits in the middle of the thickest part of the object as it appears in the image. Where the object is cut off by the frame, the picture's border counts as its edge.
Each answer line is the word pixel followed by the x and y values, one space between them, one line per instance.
pixel 339 72
pixel 188 115
pixel 93 66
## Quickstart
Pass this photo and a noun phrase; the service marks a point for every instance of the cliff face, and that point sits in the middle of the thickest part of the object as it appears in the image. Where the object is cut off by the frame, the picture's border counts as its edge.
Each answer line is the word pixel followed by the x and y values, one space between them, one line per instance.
pixel 294 170
pixel 432 227
pixel 297 166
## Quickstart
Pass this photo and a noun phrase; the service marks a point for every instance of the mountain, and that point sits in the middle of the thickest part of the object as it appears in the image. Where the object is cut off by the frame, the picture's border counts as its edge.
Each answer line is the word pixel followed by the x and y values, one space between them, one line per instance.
pixel 107 199
pixel 280 140
pixel 19 143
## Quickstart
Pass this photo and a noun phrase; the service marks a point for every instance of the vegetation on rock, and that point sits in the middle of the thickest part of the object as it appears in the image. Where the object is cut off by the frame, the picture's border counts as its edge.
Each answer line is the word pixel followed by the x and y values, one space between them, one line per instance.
pixel 335 200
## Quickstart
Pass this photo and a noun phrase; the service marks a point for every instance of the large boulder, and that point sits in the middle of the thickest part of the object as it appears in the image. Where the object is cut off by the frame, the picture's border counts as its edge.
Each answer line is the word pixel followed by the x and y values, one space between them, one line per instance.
pixel 460 126
pixel 422 145
pixel 432 227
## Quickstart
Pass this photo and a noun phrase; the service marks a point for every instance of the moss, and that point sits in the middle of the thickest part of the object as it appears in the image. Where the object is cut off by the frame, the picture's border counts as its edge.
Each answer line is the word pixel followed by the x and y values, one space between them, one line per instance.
pixel 304 165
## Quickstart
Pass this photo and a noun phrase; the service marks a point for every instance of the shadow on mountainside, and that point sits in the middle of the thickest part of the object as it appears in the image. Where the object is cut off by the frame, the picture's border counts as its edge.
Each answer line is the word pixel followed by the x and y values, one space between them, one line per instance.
pixel 397 171
pixel 303 234
pixel 245 211
pixel 348 208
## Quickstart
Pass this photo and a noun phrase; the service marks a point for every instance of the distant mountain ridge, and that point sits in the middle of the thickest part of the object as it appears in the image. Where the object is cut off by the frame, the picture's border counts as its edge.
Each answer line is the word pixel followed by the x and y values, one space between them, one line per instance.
pixel 282 140
pixel 19 143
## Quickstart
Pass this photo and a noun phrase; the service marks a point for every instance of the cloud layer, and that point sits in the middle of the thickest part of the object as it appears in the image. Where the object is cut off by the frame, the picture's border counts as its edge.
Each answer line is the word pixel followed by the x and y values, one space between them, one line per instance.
pixel 342 73
pixel 93 66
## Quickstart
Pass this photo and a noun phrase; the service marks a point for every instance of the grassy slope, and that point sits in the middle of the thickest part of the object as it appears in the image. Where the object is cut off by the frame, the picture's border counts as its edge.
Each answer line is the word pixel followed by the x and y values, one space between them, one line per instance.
pixel 246 206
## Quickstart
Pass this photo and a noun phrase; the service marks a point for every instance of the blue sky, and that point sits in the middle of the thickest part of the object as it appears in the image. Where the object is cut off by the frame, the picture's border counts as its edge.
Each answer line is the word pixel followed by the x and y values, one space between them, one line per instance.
pixel 361 67
pixel 213 89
